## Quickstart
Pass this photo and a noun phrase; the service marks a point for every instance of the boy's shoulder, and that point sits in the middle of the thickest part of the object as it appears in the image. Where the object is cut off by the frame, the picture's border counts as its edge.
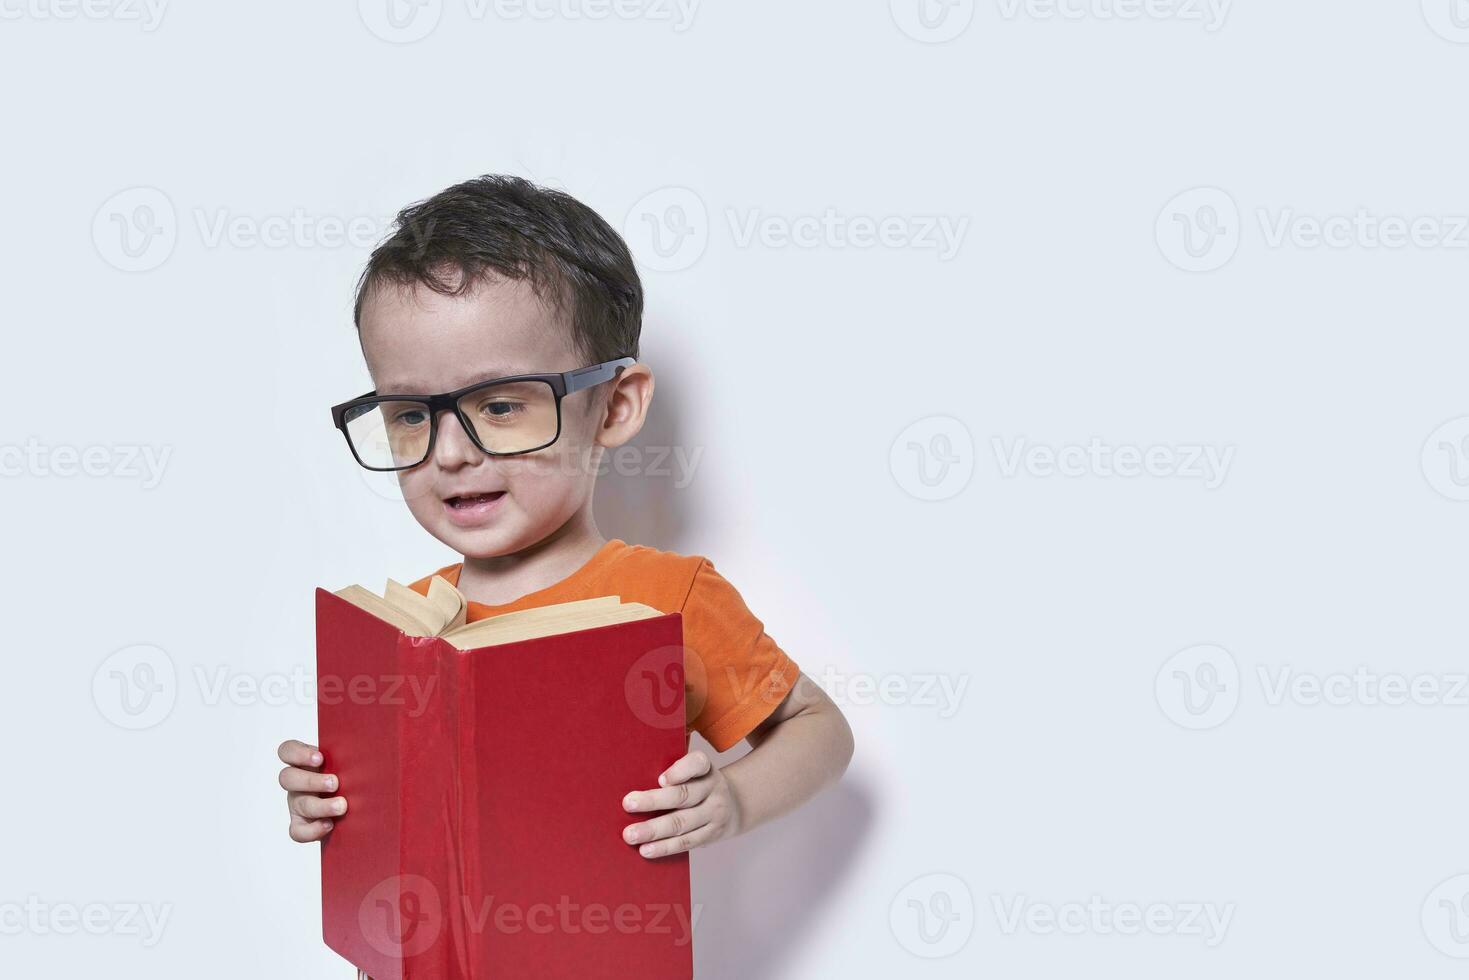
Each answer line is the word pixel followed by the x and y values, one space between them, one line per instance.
pixel 640 555
pixel 639 573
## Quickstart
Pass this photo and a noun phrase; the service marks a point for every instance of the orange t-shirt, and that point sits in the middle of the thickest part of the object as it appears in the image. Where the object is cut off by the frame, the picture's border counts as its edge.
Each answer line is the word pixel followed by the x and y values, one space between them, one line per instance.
pixel 734 673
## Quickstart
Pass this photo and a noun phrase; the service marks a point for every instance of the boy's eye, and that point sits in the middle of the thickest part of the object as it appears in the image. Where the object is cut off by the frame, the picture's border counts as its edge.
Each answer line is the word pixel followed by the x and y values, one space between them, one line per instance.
pixel 500 409
pixel 410 416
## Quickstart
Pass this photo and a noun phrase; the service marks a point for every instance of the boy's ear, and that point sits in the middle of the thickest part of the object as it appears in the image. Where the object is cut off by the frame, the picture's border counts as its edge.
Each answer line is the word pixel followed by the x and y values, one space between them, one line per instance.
pixel 628 398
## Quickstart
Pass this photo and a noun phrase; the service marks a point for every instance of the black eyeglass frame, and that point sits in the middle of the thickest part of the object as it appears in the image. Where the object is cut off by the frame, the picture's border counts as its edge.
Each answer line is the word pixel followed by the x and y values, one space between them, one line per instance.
pixel 562 384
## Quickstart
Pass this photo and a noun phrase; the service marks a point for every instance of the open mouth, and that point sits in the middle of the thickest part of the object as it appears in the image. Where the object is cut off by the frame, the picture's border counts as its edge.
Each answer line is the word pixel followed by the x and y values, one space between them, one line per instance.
pixel 471 500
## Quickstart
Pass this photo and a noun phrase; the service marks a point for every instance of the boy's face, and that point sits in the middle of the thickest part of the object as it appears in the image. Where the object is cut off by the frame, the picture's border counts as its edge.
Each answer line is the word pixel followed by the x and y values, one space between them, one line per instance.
pixel 417 341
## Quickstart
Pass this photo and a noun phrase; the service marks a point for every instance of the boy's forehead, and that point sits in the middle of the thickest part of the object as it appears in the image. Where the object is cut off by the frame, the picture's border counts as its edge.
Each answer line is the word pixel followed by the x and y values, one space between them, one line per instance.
pixel 415 339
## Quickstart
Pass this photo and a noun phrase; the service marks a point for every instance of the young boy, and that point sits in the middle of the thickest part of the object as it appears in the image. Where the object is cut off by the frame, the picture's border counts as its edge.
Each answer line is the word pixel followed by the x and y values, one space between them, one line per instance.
pixel 497 278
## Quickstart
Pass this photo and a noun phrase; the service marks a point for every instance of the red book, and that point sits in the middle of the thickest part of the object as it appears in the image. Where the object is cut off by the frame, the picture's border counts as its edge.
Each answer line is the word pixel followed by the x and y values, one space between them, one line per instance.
pixel 483 837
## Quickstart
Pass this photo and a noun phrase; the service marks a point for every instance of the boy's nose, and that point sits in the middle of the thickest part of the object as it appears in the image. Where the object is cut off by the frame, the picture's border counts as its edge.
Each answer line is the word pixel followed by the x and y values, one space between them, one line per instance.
pixel 452 445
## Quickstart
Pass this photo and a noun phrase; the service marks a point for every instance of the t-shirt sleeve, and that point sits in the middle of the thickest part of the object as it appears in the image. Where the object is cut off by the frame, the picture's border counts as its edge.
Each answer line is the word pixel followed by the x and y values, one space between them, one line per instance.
pixel 735 675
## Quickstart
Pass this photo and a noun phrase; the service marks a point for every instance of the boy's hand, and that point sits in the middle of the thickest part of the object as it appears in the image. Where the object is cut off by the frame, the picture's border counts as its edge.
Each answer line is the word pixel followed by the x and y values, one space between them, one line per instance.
pixel 311 813
pixel 703 803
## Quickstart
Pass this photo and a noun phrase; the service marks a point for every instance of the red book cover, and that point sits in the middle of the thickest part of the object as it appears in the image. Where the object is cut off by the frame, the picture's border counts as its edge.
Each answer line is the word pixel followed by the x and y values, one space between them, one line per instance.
pixel 483 838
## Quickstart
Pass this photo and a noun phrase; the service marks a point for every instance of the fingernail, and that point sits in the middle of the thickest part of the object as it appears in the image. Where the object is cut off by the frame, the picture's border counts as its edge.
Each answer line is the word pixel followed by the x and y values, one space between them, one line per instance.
pixel 630 803
pixel 630 835
pixel 646 850
pixel 339 807
pixel 331 783
pixel 316 758
pixel 327 824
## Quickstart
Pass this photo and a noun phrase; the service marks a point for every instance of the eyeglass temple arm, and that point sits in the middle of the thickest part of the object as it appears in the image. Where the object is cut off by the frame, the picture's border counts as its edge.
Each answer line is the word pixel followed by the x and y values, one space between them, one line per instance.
pixel 596 374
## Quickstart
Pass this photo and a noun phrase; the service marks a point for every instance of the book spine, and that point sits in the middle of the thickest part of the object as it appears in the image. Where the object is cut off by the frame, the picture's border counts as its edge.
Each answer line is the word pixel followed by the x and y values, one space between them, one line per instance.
pixel 425 770
pixel 469 919
pixel 437 773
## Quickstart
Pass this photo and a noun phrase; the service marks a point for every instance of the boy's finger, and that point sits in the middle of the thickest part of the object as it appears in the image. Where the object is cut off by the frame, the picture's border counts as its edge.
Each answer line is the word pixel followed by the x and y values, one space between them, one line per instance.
pixel 694 764
pixel 294 753
pixel 312 807
pixel 686 842
pixel 669 825
pixel 675 845
pixel 306 831
pixel 669 797
pixel 294 780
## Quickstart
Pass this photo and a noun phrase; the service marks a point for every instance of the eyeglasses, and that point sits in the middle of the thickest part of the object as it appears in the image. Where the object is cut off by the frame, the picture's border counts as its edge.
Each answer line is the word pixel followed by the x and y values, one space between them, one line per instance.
pixel 503 416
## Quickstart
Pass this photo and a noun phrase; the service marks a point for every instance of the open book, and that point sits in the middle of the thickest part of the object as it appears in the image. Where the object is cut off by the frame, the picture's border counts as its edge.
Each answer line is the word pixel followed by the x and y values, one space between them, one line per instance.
pixel 484 765
pixel 442 613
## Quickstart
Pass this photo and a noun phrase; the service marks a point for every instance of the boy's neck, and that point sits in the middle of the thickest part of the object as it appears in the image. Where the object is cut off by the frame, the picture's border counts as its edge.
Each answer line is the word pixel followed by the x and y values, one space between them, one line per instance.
pixel 505 578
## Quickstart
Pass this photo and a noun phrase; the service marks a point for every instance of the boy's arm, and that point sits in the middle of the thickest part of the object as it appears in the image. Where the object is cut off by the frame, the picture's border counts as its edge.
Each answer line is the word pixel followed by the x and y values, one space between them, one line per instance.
pixel 802 747
pixel 799 750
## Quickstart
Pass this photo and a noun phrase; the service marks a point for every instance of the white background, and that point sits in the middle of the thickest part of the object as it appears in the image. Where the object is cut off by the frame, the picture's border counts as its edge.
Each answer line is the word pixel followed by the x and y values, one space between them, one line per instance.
pixel 1133 199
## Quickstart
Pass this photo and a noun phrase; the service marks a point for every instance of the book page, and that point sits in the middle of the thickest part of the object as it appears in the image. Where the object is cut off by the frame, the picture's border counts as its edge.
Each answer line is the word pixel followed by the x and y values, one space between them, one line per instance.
pixel 422 608
pixel 377 606
pixel 451 603
pixel 553 620
pixel 557 609
pixel 443 613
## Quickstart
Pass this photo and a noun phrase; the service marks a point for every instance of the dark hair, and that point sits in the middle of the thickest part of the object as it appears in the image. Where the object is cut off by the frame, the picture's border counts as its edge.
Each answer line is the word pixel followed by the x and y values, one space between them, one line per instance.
pixel 497 223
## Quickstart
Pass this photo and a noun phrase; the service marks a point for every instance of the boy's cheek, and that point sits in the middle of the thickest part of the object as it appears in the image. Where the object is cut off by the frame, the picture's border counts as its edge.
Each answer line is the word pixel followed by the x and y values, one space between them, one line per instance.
pixel 425 506
pixel 417 486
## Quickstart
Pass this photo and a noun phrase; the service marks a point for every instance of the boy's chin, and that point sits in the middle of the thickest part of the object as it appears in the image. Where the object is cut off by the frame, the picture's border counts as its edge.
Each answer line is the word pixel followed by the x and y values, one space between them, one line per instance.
pixel 482 542
pixel 494 540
